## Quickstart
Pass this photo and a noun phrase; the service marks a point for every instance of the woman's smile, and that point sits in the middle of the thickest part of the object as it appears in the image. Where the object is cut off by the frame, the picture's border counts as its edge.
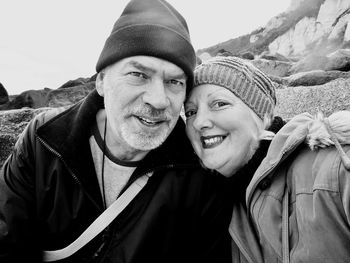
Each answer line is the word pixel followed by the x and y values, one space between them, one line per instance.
pixel 209 142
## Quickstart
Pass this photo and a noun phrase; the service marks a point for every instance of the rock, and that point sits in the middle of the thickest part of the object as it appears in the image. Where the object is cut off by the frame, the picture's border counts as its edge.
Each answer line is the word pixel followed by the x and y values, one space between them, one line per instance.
pixel 50 98
pixel 76 82
pixel 12 123
pixel 30 98
pixel 275 57
pixel 247 55
pixel 68 96
pixel 319 26
pixel 314 32
pixel 4 97
pixel 279 82
pixel 338 60
pixel 273 67
pixel 314 77
pixel 330 13
pixel 330 97
pixel 224 53
pixel 339 29
pixel 308 63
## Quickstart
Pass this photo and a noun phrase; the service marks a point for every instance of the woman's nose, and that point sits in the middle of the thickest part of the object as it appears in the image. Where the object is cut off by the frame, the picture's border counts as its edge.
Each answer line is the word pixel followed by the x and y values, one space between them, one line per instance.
pixel 202 120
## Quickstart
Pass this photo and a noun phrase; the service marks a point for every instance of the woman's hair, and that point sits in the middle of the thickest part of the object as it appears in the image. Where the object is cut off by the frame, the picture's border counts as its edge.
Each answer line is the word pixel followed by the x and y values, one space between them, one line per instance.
pixel 262 130
pixel 266 134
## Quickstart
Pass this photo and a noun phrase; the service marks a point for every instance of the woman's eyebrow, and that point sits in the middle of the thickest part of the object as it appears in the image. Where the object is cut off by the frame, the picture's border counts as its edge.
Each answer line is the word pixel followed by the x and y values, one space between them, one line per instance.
pixel 188 103
pixel 215 92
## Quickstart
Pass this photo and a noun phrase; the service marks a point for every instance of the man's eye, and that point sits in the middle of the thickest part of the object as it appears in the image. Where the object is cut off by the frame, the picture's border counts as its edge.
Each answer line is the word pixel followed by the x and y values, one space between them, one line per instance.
pixel 176 82
pixel 138 74
pixel 189 113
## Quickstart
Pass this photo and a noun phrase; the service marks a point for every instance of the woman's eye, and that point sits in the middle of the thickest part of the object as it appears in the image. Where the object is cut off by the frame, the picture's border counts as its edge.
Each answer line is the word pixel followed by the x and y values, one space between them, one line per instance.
pixel 189 113
pixel 219 104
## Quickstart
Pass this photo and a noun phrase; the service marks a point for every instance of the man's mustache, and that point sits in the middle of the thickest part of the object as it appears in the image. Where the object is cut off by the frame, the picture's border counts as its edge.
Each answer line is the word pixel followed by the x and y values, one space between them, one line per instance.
pixel 151 112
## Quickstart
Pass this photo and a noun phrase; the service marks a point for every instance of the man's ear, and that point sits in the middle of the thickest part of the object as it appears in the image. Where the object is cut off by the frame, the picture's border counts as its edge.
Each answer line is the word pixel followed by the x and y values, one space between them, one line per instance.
pixel 99 83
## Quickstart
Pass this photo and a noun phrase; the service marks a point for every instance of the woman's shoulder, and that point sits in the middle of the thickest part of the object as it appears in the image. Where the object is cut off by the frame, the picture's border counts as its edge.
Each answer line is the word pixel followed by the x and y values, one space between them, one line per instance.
pixel 323 162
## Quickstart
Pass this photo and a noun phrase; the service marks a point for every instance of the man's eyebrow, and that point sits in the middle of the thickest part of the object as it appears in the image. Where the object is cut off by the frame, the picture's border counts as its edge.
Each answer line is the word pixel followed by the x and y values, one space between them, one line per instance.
pixel 181 75
pixel 139 66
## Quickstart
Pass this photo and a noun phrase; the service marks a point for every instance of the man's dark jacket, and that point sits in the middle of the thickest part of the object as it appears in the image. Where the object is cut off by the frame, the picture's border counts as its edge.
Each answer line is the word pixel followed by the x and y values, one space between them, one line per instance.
pixel 49 195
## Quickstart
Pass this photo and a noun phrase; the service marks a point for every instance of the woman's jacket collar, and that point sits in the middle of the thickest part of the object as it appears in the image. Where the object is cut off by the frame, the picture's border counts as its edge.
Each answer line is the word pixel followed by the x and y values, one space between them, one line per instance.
pixel 292 134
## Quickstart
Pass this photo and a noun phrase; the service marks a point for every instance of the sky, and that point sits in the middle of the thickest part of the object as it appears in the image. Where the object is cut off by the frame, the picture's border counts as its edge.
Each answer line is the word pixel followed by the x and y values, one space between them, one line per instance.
pixel 45 43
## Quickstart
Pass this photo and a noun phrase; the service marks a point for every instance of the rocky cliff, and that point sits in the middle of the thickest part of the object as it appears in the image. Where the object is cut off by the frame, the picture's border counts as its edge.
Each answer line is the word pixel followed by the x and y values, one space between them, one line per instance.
pixel 307 26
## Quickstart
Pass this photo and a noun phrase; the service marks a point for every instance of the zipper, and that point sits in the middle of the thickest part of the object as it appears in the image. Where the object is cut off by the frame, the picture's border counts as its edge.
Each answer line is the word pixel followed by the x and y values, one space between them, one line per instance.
pixel 282 156
pixel 241 247
pixel 60 157
pixel 75 178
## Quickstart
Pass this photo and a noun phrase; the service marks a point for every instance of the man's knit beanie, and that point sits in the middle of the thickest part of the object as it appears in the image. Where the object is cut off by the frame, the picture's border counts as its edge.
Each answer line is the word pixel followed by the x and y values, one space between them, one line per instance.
pixel 246 81
pixel 150 28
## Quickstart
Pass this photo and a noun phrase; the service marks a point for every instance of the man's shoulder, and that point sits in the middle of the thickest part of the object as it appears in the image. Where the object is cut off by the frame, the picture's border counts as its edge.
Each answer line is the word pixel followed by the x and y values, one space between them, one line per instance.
pixel 47 115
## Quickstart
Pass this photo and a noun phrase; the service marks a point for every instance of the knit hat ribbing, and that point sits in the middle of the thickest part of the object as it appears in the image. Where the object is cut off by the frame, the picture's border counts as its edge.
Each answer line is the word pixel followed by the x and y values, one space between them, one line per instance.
pixel 150 28
pixel 246 81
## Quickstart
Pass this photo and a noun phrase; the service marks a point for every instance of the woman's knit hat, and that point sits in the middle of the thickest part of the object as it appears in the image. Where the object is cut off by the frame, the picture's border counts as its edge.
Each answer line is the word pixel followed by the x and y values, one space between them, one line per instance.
pixel 150 28
pixel 246 81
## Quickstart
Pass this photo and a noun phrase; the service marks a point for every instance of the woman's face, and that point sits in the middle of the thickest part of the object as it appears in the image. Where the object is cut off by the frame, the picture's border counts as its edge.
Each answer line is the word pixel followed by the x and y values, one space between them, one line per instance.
pixel 223 130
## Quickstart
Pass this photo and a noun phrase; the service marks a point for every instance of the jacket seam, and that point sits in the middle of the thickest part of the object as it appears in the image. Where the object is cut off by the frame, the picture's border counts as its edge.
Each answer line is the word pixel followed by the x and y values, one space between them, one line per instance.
pixel 339 190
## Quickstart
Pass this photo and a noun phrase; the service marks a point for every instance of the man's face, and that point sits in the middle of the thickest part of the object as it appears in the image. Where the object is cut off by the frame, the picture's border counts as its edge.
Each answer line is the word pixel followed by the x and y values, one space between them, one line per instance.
pixel 143 98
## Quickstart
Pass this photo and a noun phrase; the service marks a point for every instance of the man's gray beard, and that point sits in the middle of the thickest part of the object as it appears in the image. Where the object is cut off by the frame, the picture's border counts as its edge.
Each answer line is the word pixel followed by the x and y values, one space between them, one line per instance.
pixel 144 142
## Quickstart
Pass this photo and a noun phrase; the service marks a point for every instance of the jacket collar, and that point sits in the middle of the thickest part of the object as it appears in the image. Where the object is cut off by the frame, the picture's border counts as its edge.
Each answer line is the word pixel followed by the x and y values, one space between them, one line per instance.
pixel 292 134
pixel 68 134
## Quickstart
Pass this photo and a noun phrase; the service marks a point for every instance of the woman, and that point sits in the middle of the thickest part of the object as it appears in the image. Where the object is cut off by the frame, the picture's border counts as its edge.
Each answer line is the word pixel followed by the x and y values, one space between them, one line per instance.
pixel 294 206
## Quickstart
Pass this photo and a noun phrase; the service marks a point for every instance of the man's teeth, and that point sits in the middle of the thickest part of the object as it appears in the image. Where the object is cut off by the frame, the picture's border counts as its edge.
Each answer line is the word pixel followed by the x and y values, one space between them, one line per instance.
pixel 212 141
pixel 148 121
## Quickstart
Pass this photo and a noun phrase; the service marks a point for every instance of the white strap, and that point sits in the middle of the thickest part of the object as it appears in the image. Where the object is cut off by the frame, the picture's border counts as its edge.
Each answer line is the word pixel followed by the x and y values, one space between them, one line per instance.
pixel 100 223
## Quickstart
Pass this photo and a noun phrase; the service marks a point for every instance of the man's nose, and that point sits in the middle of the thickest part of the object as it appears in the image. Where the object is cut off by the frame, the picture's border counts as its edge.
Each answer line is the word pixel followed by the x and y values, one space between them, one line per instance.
pixel 156 96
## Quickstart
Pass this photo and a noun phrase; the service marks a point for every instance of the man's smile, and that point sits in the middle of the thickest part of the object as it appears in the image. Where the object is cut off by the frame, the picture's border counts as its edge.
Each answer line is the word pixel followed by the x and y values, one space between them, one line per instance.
pixel 149 121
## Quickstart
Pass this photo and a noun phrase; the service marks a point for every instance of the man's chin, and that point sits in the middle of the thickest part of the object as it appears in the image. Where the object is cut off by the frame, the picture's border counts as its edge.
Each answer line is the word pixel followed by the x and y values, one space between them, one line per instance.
pixel 145 141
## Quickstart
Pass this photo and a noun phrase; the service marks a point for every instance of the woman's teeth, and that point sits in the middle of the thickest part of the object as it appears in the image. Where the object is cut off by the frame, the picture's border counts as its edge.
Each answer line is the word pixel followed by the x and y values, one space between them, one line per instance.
pixel 212 142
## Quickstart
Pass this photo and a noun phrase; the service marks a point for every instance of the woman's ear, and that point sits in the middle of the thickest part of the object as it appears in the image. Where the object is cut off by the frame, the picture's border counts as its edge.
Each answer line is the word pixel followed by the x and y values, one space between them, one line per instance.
pixel 99 83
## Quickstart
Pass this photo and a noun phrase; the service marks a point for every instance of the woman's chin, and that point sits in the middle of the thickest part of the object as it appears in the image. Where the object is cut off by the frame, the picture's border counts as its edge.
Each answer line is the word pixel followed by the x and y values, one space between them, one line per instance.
pixel 222 168
pixel 212 166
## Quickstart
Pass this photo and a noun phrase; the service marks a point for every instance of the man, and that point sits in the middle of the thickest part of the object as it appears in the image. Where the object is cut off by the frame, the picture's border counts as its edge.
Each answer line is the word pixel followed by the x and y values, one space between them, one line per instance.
pixel 70 166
